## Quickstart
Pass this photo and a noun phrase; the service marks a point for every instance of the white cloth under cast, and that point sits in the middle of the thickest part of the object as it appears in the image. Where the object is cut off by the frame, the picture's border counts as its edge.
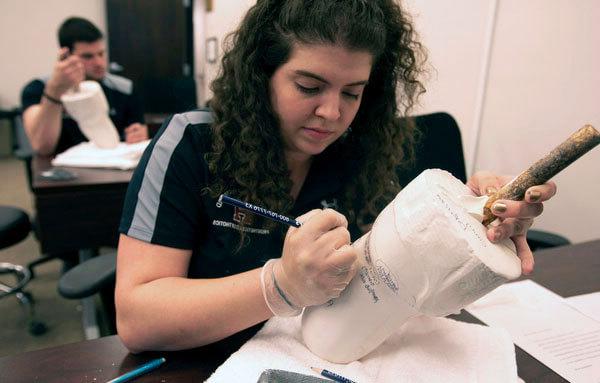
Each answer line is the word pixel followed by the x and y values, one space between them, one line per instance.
pixel 87 155
pixel 427 350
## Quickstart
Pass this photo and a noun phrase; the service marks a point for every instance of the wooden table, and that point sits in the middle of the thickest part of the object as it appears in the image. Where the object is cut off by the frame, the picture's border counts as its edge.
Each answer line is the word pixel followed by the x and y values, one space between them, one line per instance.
pixel 78 214
pixel 568 271
pixel 99 360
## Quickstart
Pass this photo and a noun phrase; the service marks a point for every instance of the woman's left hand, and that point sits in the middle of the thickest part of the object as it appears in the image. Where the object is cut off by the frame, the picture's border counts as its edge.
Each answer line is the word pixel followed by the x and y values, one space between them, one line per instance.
pixel 516 217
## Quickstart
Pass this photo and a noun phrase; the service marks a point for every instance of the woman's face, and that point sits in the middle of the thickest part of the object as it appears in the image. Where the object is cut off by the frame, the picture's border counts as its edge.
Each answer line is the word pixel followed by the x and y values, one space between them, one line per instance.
pixel 316 95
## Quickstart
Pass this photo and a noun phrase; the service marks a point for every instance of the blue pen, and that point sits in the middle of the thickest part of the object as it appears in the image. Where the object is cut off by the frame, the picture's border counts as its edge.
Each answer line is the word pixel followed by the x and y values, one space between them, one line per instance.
pixel 332 375
pixel 147 367
pixel 258 210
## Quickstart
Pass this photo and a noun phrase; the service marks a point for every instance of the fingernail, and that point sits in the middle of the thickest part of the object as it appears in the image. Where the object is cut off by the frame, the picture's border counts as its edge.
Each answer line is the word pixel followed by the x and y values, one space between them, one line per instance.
pixel 490 190
pixel 499 207
pixel 534 195
pixel 497 235
pixel 527 267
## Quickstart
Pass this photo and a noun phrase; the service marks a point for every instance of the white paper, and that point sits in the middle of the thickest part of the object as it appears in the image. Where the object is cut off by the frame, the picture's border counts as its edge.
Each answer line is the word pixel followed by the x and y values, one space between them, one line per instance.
pixel 588 304
pixel 544 324
pixel 87 155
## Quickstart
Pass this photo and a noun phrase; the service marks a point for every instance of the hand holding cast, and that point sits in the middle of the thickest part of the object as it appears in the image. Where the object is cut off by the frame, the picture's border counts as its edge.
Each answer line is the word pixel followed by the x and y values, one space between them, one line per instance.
pixel 515 217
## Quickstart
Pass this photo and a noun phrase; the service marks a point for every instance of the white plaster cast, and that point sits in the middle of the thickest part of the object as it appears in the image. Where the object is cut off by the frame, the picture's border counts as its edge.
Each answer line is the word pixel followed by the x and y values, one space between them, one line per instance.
pixel 425 255
pixel 88 106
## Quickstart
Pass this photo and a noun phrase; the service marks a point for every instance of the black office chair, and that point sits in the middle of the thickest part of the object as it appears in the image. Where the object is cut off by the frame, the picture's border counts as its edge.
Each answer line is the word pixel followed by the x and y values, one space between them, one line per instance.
pixel 439 146
pixel 168 95
pixel 21 147
pixel 94 276
pixel 22 150
pixel 15 227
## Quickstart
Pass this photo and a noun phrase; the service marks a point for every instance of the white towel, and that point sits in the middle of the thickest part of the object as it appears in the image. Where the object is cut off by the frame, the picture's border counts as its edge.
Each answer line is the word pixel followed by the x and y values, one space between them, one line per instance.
pixel 87 155
pixel 425 350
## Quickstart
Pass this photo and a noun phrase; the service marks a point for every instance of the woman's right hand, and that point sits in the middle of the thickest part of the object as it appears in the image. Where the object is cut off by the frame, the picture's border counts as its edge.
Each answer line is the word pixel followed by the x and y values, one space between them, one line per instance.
pixel 317 262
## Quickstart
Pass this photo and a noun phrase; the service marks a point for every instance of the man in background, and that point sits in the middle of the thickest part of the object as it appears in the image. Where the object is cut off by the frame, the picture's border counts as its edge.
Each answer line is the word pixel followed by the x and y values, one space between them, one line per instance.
pixel 82 56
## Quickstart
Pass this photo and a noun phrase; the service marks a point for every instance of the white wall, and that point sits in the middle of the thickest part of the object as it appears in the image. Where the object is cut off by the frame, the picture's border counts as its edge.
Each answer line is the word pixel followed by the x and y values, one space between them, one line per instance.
pixel 224 18
pixel 543 85
pixel 455 34
pixel 29 44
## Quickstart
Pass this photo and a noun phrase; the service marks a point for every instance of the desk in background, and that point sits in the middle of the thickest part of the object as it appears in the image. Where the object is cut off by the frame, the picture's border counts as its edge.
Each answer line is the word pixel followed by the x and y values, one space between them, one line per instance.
pixel 79 215
pixel 83 213
pixel 570 270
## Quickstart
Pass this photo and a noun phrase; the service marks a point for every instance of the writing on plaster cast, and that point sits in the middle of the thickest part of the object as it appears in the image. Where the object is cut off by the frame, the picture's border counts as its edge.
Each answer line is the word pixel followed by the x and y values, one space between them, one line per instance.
pixel 365 274
pixel 466 226
pixel 384 273
pixel 372 275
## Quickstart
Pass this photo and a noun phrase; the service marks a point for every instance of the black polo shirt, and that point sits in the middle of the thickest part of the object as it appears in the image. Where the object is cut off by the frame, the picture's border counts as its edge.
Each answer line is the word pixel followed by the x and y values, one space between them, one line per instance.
pixel 124 108
pixel 165 205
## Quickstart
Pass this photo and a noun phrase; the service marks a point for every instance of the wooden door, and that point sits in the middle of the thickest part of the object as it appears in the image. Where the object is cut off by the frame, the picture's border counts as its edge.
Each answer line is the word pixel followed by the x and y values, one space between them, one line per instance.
pixel 151 43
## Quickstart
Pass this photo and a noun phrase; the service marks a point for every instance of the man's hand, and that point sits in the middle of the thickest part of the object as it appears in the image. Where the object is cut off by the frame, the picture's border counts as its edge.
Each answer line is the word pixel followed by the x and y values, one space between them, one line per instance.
pixel 136 132
pixel 68 73
pixel 515 217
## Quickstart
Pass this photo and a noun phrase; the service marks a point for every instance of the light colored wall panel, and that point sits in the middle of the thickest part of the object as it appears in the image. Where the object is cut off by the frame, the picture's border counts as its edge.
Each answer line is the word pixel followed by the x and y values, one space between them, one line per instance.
pixel 223 19
pixel 543 85
pixel 455 34
pixel 29 43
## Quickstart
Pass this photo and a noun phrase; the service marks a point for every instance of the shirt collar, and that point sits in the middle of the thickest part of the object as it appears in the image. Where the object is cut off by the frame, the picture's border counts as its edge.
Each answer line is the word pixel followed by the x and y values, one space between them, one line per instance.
pixel 325 177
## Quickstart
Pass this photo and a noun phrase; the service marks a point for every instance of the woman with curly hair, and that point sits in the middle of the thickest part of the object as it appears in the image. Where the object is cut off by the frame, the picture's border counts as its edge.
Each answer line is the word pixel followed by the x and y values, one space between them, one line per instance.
pixel 305 121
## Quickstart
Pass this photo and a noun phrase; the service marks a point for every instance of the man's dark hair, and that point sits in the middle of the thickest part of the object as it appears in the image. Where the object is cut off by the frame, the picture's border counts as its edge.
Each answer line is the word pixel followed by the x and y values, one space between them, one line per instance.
pixel 77 29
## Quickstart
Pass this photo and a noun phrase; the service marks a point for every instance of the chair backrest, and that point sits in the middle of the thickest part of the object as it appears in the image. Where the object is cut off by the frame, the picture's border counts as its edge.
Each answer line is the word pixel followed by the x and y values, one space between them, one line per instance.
pixel 167 95
pixel 22 146
pixel 14 225
pixel 439 146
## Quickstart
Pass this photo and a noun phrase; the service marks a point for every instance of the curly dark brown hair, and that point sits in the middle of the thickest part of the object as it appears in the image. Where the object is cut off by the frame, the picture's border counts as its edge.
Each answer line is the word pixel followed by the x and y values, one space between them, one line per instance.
pixel 247 159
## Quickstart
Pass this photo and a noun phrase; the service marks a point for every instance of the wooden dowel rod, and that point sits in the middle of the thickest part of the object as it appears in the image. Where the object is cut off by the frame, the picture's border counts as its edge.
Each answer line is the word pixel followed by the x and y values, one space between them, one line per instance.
pixel 579 143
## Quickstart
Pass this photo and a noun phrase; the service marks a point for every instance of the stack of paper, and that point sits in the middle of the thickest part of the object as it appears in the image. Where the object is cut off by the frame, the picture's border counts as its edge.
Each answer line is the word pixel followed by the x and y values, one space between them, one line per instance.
pixel 547 326
pixel 588 304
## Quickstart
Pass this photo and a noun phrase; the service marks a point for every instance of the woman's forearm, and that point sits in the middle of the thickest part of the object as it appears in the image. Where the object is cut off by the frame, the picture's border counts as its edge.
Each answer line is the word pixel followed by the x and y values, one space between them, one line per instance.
pixel 178 313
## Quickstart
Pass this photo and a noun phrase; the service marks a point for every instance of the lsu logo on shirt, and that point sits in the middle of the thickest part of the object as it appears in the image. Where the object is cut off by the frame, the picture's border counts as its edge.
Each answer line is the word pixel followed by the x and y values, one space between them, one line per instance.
pixel 239 216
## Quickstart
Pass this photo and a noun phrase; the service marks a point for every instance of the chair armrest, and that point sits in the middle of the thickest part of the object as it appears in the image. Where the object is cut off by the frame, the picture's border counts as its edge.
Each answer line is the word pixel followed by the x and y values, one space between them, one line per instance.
pixel 88 277
pixel 539 239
